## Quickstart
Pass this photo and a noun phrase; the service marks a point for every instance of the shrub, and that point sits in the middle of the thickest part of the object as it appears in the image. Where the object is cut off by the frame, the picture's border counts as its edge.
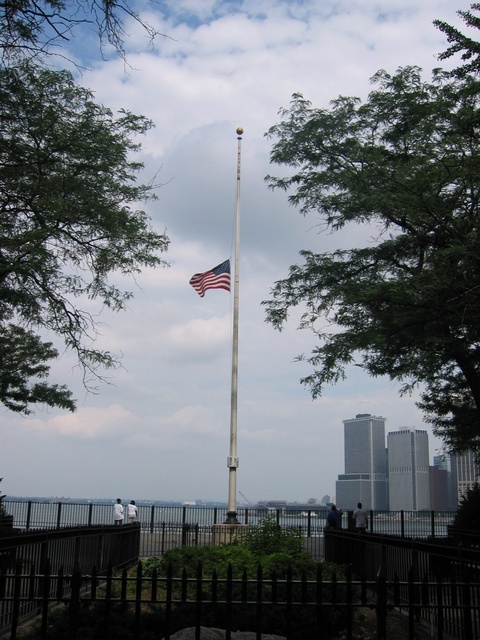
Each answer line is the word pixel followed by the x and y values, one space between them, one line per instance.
pixel 468 514
pixel 267 537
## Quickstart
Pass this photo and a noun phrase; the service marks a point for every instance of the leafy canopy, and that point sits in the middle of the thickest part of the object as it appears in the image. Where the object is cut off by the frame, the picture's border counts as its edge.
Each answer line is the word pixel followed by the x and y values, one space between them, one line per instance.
pixel 404 165
pixel 461 43
pixel 68 186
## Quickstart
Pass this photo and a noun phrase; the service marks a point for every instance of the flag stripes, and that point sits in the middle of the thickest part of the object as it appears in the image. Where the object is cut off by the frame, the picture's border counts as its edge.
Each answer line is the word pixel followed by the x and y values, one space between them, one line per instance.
pixel 216 278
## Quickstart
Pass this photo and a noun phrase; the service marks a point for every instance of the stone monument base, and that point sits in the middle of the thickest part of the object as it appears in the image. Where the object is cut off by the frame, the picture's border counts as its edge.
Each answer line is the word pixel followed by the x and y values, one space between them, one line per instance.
pixel 227 533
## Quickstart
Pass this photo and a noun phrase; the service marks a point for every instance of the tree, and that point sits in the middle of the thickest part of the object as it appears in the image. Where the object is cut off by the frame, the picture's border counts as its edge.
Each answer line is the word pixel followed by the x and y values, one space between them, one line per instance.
pixel 460 43
pixel 68 181
pixel 404 164
pixel 32 27
pixel 468 514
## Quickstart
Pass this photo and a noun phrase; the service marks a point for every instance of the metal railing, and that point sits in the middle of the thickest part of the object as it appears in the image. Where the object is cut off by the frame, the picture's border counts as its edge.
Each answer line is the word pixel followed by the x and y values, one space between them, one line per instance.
pixel 297 608
pixel 30 514
pixel 166 527
pixel 443 573
pixel 62 551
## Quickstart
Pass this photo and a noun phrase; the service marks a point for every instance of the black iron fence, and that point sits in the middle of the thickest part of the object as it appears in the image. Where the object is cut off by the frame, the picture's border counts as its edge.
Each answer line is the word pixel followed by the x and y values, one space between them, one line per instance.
pixel 297 609
pixel 60 551
pixel 436 581
pixel 441 576
pixel 166 527
pixel 311 521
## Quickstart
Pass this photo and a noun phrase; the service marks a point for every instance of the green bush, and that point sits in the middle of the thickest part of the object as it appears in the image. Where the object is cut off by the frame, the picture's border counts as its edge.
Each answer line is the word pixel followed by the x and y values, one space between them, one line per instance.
pixel 266 544
pixel 267 538
pixel 211 558
pixel 468 514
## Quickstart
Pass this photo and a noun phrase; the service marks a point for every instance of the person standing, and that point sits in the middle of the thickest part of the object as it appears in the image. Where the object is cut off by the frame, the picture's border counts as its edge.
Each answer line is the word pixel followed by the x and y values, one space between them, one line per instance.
pixel 361 519
pixel 118 512
pixel 132 512
pixel 334 518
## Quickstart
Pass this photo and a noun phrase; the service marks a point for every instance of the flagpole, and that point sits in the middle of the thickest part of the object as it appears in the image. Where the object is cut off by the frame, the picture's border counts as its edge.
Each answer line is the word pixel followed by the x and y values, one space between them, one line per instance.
pixel 232 461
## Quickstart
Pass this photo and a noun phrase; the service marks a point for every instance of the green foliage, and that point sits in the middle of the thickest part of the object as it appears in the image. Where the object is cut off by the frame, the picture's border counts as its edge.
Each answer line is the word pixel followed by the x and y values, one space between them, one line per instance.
pixel 267 538
pixel 460 43
pixel 401 169
pixel 468 513
pixel 211 558
pixel 266 544
pixel 67 223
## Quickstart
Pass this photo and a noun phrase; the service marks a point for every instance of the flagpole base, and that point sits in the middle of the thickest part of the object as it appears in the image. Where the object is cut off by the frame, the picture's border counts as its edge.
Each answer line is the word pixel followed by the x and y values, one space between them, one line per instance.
pixel 231 518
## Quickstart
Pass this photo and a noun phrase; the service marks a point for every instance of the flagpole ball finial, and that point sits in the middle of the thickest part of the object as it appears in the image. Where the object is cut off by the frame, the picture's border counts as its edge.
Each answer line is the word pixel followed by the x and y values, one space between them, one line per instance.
pixel 239 131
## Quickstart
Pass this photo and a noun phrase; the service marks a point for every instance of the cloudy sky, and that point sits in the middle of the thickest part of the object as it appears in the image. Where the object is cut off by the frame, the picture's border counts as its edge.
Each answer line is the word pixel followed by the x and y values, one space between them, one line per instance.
pixel 160 429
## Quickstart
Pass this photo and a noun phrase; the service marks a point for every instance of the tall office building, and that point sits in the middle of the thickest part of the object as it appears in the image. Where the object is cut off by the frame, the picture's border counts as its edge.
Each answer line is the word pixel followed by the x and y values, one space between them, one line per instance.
pixel 365 478
pixel 408 470
pixel 465 473
pixel 440 484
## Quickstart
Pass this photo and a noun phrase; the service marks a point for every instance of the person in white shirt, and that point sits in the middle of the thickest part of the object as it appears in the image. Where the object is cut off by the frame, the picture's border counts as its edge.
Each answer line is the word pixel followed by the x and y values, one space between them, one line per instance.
pixel 118 512
pixel 132 512
pixel 360 517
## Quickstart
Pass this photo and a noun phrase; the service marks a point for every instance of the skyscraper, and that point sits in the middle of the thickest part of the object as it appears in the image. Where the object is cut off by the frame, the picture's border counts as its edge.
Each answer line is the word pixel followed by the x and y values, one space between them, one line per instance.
pixel 364 479
pixel 440 484
pixel 465 473
pixel 408 469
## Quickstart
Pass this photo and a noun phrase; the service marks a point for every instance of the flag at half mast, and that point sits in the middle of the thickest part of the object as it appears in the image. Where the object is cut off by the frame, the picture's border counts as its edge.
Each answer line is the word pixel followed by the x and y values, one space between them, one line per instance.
pixel 216 278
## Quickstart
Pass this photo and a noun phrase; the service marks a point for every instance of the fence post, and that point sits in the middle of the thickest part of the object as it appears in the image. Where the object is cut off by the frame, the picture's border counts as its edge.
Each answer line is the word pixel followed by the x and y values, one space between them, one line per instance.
pixel 198 604
pixel 90 512
pixel 75 602
pixel 411 603
pixel 152 518
pixel 350 521
pixel 349 602
pixel 258 615
pixel 59 514
pixel 432 520
pixel 228 603
pixel 289 601
pixel 45 601
pixel 467 604
pixel 16 599
pixel 402 524
pixel 29 515
pixel 381 602
pixel 138 601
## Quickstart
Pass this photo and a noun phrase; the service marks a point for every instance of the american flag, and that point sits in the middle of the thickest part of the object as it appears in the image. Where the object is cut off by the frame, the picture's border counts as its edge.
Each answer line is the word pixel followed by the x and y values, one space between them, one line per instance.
pixel 216 278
